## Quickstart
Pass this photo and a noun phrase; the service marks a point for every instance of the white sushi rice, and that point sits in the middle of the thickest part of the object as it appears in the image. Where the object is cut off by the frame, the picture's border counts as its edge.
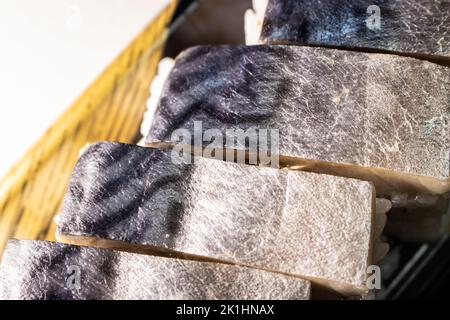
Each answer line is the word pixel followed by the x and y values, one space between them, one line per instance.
pixel 156 88
pixel 253 20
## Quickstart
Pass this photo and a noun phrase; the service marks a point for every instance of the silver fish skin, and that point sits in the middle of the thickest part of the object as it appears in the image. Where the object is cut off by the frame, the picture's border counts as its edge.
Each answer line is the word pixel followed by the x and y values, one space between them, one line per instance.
pixel 410 27
pixel 384 115
pixel 40 270
pixel 304 224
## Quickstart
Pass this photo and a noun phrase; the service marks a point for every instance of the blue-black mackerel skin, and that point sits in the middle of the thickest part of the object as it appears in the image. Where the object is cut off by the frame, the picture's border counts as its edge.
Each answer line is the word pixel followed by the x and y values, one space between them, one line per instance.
pixel 420 27
pixel 122 184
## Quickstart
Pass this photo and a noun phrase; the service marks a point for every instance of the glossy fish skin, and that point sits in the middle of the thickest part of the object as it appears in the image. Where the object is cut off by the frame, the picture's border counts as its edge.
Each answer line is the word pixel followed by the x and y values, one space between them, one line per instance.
pixel 39 270
pixel 294 222
pixel 416 27
pixel 369 110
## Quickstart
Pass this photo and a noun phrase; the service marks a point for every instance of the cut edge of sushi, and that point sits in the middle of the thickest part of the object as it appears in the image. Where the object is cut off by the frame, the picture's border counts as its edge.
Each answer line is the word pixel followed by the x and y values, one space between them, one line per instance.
pixel 389 184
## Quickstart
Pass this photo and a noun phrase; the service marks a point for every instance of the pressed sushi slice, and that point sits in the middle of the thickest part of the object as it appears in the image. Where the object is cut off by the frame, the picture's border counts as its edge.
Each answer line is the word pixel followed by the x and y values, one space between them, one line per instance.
pixel 419 28
pixel 42 270
pixel 376 117
pixel 318 227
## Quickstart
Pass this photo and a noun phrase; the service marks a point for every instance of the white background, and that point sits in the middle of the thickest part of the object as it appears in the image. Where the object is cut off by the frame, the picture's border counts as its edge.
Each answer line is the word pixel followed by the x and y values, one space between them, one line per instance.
pixel 50 51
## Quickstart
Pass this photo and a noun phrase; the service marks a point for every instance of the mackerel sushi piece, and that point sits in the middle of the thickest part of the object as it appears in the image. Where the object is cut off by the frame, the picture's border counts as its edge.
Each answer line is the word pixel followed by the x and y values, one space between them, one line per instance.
pixel 318 227
pixel 40 270
pixel 376 117
pixel 418 28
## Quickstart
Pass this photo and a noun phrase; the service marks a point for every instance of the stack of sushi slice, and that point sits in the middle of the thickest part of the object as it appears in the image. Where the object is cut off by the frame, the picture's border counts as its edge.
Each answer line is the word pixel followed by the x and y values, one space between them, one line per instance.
pixel 418 29
pixel 222 230
pixel 332 140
